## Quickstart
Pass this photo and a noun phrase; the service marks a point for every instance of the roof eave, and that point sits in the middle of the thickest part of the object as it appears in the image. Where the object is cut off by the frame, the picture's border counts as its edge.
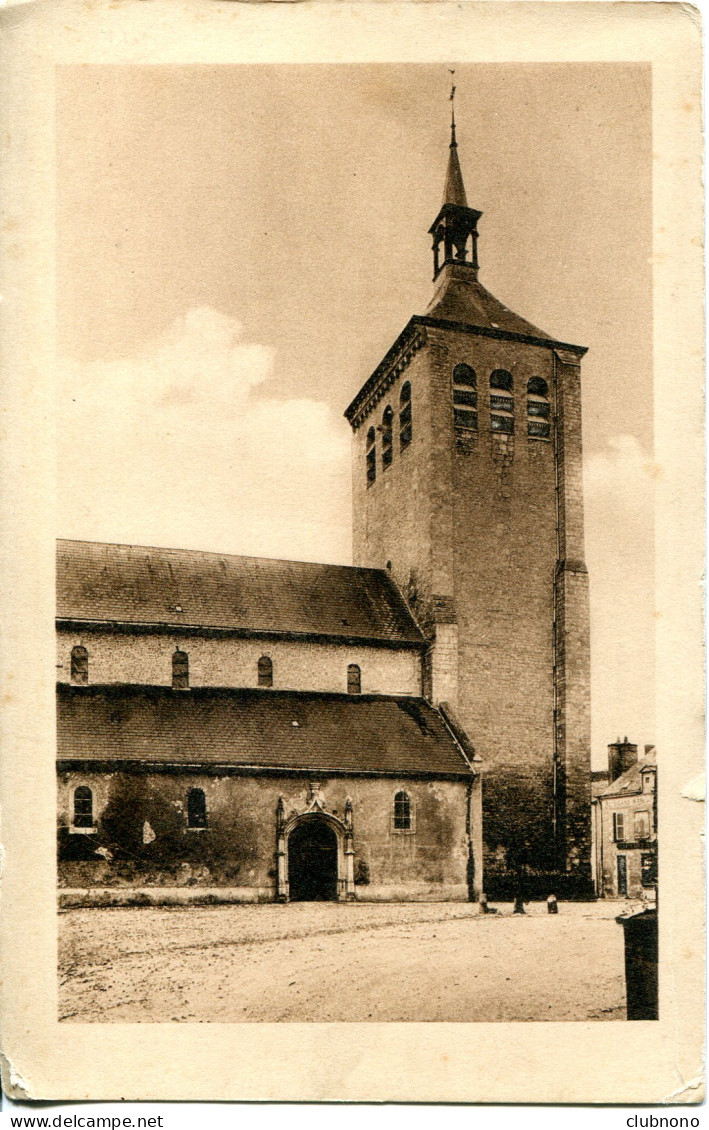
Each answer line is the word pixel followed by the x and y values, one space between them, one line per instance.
pixel 166 627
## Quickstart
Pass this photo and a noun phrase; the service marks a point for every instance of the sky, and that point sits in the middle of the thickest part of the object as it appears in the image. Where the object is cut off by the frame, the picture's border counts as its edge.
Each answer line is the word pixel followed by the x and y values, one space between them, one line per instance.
pixel 238 246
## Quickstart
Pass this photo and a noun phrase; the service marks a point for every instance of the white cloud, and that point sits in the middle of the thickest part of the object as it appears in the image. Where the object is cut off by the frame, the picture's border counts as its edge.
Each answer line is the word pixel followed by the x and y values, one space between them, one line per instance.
pixel 619 551
pixel 179 446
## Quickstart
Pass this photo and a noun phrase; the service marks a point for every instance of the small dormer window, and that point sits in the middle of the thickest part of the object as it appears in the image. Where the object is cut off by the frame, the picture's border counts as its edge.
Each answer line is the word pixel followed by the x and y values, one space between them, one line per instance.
pixel 501 402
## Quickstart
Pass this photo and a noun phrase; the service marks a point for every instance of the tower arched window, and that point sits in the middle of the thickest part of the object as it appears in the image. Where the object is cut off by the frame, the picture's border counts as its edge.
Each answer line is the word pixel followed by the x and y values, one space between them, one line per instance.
pixel 371 456
pixel 79 665
pixel 83 814
pixel 180 670
pixel 354 679
pixel 387 437
pixel 501 402
pixel 405 421
pixel 538 408
pixel 196 809
pixel 402 821
pixel 265 671
pixel 465 398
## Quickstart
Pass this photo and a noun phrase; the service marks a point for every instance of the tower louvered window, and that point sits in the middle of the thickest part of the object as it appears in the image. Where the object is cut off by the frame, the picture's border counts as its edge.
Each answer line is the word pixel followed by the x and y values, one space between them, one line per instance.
pixel 465 398
pixel 501 402
pixel 79 665
pixel 405 421
pixel 371 456
pixel 265 671
pixel 538 408
pixel 387 437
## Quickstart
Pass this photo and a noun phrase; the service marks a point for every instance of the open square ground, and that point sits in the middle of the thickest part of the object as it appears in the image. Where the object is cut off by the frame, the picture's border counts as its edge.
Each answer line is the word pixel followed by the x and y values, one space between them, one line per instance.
pixel 341 962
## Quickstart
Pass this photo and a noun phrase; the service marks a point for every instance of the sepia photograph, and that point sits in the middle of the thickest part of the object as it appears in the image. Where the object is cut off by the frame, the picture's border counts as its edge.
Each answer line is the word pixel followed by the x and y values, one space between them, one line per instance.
pixel 352 608
pixel 344 607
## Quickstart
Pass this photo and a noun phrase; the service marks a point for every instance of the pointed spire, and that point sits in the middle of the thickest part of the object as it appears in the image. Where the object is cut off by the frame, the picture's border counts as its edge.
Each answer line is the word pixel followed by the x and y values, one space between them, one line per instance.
pixel 454 191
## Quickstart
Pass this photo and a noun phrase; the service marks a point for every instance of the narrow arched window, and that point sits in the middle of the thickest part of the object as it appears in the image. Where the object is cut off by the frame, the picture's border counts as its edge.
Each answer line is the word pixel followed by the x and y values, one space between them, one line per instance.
pixel 354 679
pixel 265 671
pixel 196 809
pixel 501 402
pixel 465 398
pixel 538 409
pixel 405 421
pixel 79 665
pixel 180 671
pixel 83 816
pixel 371 456
pixel 387 437
pixel 402 812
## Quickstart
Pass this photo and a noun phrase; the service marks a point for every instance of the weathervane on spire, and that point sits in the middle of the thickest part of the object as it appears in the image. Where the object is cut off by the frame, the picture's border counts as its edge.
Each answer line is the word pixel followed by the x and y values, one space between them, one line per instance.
pixel 452 102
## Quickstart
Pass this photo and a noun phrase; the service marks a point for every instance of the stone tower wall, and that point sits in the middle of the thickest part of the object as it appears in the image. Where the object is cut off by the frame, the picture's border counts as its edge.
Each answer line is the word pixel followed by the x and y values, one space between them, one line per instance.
pixel 471 531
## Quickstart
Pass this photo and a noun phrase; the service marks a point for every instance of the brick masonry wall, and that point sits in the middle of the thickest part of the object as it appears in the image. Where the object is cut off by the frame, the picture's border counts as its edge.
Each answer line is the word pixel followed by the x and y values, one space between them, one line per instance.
pixel 471 530
pixel 573 628
pixel 239 847
pixel 116 657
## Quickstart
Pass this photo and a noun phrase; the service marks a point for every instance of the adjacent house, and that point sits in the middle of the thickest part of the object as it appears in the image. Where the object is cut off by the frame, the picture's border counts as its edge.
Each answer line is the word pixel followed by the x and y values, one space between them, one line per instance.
pixel 625 823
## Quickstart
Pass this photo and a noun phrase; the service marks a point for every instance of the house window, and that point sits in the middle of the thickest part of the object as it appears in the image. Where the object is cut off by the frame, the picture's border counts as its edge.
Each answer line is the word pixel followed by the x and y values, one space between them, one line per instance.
pixel 618 826
pixel 83 807
pixel 79 665
pixel 642 825
pixel 648 869
pixel 196 809
pixel 180 671
pixel 354 679
pixel 265 671
pixel 371 456
pixel 405 423
pixel 402 812
pixel 647 782
pixel 465 398
pixel 538 409
pixel 387 437
pixel 501 402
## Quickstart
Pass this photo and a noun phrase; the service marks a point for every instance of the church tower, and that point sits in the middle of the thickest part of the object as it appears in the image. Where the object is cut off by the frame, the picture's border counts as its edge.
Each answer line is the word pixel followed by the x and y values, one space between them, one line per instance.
pixel 467 486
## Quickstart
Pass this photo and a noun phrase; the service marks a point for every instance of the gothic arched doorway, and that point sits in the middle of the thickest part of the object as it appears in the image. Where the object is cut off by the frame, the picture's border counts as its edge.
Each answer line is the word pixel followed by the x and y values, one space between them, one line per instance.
pixel 312 862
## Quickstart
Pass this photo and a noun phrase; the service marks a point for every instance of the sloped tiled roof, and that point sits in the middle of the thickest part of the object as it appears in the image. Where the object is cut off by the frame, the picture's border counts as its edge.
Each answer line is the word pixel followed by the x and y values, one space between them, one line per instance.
pixel 255 728
pixel 188 588
pixel 463 299
pixel 631 781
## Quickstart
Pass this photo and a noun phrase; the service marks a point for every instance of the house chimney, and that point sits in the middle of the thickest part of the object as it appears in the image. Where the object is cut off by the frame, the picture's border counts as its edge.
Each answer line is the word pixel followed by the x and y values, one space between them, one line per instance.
pixel 621 755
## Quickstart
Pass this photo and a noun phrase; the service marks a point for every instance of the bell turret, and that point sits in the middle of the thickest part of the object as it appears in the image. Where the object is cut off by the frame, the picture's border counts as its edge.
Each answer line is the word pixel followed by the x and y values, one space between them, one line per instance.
pixel 454 231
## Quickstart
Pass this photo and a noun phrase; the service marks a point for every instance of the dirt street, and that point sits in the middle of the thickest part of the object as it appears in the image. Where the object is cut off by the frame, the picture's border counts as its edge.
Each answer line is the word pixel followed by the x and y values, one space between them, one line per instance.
pixel 334 962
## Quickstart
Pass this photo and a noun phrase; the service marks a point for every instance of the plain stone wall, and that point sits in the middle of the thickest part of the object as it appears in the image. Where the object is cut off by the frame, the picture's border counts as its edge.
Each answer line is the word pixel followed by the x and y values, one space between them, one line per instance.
pixel 122 657
pixel 238 850
pixel 470 529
